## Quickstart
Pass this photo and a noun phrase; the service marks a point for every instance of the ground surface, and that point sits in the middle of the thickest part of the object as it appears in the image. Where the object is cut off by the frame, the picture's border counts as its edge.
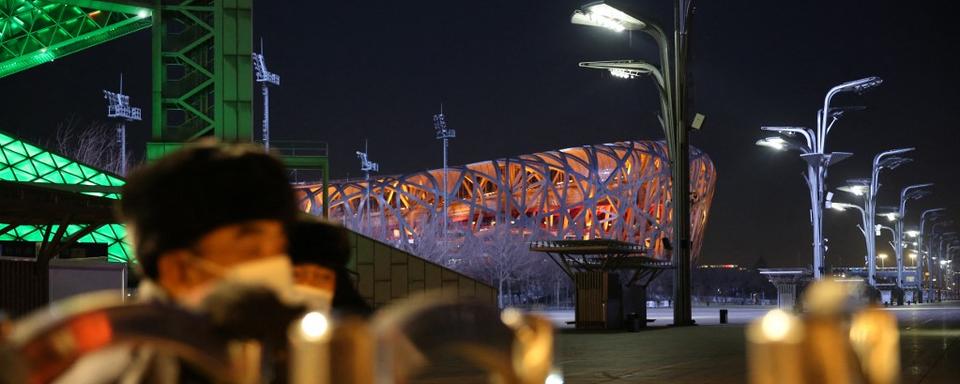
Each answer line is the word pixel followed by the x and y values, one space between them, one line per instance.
pixel 714 353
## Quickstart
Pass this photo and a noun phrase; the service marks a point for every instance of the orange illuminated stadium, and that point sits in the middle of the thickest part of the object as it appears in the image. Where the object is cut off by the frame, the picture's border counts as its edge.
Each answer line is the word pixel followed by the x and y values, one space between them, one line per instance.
pixel 611 191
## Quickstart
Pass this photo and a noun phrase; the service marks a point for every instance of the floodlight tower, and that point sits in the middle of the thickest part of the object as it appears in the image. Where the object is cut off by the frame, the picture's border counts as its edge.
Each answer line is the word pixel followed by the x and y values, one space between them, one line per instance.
pixel 264 77
pixel 366 166
pixel 118 107
pixel 445 134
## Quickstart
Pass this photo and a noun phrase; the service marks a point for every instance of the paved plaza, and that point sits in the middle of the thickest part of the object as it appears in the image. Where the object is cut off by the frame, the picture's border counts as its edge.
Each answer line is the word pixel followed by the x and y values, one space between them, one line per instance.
pixel 715 353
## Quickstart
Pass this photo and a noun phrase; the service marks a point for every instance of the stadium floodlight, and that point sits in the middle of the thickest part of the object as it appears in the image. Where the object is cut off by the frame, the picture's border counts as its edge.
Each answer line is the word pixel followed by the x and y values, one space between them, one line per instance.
pixel 119 108
pixel 264 77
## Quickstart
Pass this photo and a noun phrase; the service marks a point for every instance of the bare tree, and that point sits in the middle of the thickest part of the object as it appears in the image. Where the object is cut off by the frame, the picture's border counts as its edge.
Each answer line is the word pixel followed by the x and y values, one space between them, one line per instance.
pixel 432 244
pixel 94 144
pixel 501 256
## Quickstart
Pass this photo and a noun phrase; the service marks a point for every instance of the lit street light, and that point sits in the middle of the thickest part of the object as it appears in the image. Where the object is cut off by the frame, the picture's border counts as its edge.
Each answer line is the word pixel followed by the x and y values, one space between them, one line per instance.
pixel 882 257
pixel 911 192
pixel 923 246
pixel 818 160
pixel 671 77
pixel 883 160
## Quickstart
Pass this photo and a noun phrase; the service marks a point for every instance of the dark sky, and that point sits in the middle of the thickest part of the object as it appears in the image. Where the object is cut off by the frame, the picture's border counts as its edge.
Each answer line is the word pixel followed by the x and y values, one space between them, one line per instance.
pixel 506 74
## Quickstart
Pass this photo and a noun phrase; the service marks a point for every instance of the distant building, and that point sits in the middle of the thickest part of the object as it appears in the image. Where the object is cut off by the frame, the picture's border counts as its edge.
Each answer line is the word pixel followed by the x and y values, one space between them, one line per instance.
pixel 614 191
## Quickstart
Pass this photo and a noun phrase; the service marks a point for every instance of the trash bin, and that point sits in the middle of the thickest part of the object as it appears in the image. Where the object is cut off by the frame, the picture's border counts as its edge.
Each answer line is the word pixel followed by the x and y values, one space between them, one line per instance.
pixel 635 322
pixel 723 316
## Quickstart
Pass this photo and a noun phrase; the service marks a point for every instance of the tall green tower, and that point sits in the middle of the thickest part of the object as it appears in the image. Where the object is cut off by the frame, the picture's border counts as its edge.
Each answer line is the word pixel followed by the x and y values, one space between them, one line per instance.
pixel 202 73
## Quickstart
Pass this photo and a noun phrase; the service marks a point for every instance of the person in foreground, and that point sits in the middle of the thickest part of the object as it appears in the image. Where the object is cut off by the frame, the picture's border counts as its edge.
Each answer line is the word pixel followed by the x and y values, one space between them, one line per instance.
pixel 199 218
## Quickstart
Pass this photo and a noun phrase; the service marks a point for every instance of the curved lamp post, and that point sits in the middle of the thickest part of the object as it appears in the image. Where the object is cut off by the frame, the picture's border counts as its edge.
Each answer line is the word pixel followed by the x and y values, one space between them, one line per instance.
pixel 818 160
pixel 671 78
pixel 911 192
pixel 932 215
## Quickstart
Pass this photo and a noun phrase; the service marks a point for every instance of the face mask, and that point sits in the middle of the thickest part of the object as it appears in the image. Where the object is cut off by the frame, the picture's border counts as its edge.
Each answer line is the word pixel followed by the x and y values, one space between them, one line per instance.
pixel 274 273
pixel 314 298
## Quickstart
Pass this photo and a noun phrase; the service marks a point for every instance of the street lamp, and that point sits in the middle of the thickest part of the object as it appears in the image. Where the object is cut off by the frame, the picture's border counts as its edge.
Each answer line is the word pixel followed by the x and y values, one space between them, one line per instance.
pixel 816 171
pixel 673 98
pixel 631 69
pixel 889 159
pixel 882 256
pixel 923 247
pixel 910 192
pixel 818 160
pixel 936 238
pixel 948 240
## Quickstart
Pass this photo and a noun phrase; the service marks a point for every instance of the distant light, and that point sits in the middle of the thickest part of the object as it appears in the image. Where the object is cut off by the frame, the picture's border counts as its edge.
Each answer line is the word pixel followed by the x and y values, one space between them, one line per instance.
pixel 143 13
pixel 882 256
pixel 94 13
pixel 912 233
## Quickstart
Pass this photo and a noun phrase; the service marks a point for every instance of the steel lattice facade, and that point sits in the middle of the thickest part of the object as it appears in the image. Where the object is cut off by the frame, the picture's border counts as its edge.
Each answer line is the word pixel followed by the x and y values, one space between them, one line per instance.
pixel 613 191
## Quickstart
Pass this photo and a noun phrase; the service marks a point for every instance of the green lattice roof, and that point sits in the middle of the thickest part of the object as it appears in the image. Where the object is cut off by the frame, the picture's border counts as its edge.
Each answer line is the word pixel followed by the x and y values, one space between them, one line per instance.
pixel 33 32
pixel 24 162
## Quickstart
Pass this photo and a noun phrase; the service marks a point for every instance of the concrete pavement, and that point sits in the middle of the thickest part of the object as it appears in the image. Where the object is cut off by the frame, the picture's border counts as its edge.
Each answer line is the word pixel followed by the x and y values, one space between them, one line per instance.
pixel 714 353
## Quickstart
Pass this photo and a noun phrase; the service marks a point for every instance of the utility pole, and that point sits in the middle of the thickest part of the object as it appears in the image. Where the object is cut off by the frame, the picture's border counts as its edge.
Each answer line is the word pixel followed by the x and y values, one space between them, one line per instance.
pixel 118 107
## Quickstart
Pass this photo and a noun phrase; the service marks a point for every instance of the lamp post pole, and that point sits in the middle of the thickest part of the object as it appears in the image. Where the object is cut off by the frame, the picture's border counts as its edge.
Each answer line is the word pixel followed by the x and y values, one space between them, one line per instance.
pixel 920 249
pixel 910 192
pixel 673 77
pixel 932 256
pixel 880 161
pixel 818 160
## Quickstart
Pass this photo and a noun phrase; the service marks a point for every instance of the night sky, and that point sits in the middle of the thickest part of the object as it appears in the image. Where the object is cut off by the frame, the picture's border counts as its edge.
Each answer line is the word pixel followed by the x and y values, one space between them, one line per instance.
pixel 506 73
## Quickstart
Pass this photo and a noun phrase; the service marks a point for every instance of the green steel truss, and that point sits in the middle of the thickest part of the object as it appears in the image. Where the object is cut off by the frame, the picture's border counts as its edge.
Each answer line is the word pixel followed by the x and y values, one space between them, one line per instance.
pixel 24 162
pixel 33 32
pixel 202 73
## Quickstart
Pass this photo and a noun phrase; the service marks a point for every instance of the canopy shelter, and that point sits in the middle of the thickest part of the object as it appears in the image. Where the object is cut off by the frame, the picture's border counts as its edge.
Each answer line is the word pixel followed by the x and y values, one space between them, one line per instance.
pixel 604 298
pixel 61 219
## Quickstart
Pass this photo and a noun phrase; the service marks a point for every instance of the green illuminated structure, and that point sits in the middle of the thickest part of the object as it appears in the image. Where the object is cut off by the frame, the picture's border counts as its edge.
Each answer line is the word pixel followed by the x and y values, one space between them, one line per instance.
pixel 202 73
pixel 33 32
pixel 27 163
